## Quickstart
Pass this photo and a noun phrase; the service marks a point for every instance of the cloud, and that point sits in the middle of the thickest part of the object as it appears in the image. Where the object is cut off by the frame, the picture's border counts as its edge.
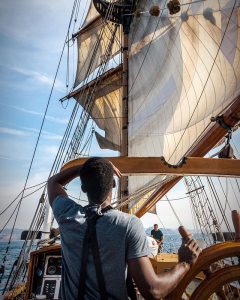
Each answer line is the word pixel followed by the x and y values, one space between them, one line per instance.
pixel 3 157
pixel 49 136
pixel 36 113
pixel 39 77
pixel 27 130
pixel 45 134
pixel 52 150
pixel 13 131
pixel 40 27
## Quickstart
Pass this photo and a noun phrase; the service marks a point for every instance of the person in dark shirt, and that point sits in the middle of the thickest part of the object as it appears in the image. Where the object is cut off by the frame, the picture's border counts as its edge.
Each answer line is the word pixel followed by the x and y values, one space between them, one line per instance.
pixel 158 236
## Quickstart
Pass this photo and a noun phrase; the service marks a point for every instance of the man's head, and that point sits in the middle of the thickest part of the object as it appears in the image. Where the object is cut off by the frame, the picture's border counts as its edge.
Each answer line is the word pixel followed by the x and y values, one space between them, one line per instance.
pixel 155 226
pixel 97 179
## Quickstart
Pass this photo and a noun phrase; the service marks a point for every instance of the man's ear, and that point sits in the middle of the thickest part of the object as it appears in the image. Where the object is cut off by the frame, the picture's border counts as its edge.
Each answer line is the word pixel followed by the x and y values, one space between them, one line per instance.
pixel 83 188
pixel 114 183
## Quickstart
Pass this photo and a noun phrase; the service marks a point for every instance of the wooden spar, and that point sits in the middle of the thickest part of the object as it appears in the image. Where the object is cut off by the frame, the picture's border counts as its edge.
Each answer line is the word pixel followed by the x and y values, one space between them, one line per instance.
pixel 208 140
pixel 193 166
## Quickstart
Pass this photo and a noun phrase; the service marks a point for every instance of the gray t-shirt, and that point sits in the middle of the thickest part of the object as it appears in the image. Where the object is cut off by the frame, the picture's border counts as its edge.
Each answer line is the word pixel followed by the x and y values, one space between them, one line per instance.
pixel 120 237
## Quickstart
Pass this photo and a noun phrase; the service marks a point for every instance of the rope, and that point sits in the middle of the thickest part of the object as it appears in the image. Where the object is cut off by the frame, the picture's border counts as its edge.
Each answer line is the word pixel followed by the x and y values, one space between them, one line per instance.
pixel 64 141
pixel 174 211
pixel 20 194
pixel 39 134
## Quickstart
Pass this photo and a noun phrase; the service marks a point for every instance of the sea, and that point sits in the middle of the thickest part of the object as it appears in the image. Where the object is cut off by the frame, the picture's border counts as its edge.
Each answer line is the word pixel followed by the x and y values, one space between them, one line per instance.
pixel 13 252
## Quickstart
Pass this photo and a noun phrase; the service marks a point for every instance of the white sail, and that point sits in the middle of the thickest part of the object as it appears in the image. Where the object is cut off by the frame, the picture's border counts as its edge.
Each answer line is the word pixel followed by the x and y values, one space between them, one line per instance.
pixel 92 14
pixel 183 69
pixel 101 99
pixel 94 40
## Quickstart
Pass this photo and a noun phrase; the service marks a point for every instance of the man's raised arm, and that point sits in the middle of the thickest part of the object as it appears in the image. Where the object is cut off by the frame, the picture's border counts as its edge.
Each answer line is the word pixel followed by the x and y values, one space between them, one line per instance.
pixel 57 182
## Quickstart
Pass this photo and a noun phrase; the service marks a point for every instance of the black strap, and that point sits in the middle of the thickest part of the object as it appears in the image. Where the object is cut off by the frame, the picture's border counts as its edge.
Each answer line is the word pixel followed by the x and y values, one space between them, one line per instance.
pixel 97 261
pixel 90 242
pixel 83 272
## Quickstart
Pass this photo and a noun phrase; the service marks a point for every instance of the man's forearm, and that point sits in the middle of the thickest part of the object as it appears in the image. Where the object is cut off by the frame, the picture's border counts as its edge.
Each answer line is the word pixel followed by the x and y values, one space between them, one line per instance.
pixel 168 281
pixel 56 183
pixel 64 177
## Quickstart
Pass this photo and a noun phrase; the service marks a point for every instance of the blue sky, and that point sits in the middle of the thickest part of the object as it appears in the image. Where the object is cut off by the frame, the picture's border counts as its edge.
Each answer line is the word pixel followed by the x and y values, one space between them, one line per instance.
pixel 32 35
pixel 31 38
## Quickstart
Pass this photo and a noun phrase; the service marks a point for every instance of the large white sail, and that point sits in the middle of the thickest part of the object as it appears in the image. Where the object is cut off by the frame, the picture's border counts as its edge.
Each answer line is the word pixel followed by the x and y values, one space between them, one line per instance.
pixel 94 40
pixel 101 99
pixel 183 69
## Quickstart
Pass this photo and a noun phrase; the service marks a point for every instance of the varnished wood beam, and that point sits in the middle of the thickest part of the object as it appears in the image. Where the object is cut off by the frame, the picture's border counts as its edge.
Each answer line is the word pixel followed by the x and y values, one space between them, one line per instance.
pixel 156 166
pixel 206 142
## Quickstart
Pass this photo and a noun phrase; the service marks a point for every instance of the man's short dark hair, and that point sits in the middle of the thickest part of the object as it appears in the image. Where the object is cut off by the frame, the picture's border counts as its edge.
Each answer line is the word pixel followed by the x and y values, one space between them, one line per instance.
pixel 155 225
pixel 97 179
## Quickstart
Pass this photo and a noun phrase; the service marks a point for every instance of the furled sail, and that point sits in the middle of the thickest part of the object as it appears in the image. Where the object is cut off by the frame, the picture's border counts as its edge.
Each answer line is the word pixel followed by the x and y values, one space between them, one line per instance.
pixel 183 69
pixel 101 99
pixel 96 39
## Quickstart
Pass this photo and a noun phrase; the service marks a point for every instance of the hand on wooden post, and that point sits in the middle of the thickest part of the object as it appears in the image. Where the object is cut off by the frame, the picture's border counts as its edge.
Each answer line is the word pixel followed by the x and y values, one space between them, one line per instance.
pixel 189 250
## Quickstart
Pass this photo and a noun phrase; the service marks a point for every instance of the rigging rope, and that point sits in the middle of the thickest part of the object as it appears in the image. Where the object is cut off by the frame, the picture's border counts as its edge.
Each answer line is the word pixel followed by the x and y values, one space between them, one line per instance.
pixel 20 194
pixel 65 138
pixel 174 211
pixel 40 131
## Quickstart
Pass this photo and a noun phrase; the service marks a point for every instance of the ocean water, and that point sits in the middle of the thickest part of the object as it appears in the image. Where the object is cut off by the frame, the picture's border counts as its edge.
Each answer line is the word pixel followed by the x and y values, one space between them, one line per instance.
pixel 13 252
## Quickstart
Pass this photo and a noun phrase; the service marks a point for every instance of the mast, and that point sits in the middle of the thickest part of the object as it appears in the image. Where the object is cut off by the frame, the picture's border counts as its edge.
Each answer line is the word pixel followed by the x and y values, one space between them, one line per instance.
pixel 124 140
pixel 121 13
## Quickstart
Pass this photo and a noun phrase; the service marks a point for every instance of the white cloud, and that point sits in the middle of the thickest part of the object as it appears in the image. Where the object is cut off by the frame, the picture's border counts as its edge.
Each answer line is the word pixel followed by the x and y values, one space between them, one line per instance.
pixel 39 77
pixel 3 157
pixel 45 134
pixel 52 150
pixel 13 131
pixel 36 113
pixel 50 136
pixel 35 23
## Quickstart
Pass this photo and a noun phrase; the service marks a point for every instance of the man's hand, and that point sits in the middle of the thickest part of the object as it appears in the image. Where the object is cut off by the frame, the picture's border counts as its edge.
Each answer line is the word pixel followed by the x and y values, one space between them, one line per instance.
pixel 116 171
pixel 189 252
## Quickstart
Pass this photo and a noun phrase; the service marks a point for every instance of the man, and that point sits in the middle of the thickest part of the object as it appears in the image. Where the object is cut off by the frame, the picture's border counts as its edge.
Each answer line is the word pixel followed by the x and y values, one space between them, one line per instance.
pixel 121 240
pixel 157 235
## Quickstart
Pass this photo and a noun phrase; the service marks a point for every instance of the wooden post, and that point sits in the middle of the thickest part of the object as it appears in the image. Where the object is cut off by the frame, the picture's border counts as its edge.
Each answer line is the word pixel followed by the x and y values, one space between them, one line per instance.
pixel 236 224
pixel 185 234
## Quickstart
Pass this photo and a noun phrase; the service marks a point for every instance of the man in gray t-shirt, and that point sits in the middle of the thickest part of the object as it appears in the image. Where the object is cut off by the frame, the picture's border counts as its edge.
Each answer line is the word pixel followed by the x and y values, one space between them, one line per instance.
pixel 121 240
pixel 120 237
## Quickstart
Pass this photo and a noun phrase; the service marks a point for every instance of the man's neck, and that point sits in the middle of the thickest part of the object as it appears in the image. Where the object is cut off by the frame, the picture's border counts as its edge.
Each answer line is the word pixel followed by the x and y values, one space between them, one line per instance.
pixel 106 203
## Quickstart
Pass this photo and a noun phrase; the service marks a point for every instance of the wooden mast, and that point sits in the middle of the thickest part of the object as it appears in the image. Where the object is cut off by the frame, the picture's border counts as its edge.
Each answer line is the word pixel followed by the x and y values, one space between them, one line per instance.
pixel 121 13
pixel 124 135
pixel 126 22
